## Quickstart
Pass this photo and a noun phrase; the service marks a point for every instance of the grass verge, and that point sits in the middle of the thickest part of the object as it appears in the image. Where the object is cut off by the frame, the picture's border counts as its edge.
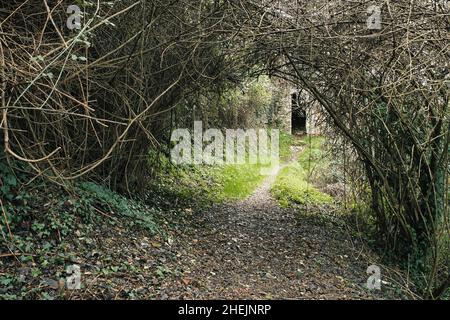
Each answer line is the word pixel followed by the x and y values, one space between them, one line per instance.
pixel 293 184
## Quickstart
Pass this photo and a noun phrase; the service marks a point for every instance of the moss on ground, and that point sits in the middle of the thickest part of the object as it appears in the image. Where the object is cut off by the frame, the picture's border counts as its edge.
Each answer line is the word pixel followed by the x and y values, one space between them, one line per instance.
pixel 293 183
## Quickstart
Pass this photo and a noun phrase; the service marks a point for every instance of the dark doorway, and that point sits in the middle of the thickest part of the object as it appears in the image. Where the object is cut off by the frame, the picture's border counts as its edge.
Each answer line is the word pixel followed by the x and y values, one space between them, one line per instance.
pixel 298 116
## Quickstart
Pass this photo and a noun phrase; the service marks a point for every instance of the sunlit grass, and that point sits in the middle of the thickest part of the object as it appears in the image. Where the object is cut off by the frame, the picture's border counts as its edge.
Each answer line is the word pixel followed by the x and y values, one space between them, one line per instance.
pixel 293 183
pixel 238 181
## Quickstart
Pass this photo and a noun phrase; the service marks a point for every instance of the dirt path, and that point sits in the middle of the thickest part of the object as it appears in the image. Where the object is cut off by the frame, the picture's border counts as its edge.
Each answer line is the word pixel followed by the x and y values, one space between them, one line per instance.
pixel 249 249
pixel 254 249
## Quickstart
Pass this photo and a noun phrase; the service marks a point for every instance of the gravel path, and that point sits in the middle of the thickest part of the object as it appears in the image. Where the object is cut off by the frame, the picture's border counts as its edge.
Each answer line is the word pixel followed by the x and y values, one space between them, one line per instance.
pixel 249 249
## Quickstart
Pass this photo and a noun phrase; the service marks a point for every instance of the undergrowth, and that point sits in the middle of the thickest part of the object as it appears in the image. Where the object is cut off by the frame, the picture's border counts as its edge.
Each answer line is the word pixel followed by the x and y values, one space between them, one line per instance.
pixel 203 185
pixel 293 184
pixel 45 227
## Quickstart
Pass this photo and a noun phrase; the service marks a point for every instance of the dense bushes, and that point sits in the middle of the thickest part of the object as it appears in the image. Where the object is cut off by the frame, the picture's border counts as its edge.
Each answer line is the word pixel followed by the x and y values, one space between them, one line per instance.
pixel 389 97
pixel 96 99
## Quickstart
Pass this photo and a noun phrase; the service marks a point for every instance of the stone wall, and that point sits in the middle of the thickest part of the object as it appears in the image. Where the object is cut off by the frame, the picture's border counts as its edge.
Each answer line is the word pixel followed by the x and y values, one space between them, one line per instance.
pixel 283 108
pixel 282 104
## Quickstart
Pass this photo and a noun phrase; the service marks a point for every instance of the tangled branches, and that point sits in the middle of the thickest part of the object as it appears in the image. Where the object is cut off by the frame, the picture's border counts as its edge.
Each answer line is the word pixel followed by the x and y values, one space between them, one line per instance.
pixel 387 91
pixel 95 99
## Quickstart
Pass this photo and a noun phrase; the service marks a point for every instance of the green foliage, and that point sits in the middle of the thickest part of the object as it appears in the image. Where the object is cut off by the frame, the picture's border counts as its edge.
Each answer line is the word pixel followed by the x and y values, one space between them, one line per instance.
pixel 14 200
pixel 286 142
pixel 245 106
pixel 206 184
pixel 314 157
pixel 203 185
pixel 10 178
pixel 41 215
pixel 52 226
pixel 291 186
pixel 95 195
pixel 237 181
pixel 240 181
pixel 293 183
pixel 9 181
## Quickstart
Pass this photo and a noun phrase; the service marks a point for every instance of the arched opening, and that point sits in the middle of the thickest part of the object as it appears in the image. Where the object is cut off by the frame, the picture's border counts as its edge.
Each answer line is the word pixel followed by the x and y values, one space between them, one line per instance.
pixel 298 116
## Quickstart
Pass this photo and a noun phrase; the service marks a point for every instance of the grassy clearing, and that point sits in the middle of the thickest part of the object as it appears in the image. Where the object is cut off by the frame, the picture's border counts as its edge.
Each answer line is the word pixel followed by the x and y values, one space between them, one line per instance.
pixel 293 183
pixel 237 181
pixel 240 181
pixel 206 184
pixel 202 185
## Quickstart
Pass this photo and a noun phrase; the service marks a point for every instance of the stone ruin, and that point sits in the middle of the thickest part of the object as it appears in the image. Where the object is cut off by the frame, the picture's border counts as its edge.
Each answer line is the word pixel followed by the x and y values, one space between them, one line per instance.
pixel 297 111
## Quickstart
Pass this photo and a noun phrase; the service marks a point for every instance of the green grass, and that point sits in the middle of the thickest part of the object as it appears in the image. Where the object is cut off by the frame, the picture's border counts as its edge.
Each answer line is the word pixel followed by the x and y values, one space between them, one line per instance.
pixel 286 141
pixel 238 181
pixel 292 184
pixel 206 184
pixel 203 185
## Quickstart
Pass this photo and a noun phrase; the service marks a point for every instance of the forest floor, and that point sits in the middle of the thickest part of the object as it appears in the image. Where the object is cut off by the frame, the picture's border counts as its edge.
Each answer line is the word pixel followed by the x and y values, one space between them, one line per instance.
pixel 251 248
pixel 254 249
